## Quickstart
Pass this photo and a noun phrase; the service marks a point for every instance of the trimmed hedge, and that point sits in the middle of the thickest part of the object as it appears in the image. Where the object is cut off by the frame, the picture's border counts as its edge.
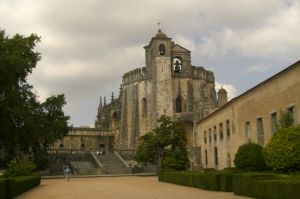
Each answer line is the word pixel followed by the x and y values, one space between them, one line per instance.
pixel 214 181
pixel 284 189
pixel 226 181
pixel 256 185
pixel 267 186
pixel 2 188
pixel 12 187
pixel 244 183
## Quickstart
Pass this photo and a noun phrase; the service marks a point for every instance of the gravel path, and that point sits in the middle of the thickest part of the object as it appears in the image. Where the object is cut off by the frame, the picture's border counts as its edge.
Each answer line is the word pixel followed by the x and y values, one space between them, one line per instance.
pixel 132 187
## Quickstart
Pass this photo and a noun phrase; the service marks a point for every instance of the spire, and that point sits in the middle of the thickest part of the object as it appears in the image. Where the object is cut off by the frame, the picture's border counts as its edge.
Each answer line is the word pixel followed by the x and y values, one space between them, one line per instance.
pixel 104 101
pixel 100 104
pixel 120 91
pixel 112 97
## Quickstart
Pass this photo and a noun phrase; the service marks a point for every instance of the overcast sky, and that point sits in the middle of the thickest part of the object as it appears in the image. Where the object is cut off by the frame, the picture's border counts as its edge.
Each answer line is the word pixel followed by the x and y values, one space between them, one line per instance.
pixel 87 45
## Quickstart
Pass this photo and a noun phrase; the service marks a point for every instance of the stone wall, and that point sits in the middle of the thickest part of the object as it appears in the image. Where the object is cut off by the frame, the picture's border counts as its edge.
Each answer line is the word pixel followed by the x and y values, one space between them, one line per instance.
pixel 150 92
pixel 85 139
pixel 261 104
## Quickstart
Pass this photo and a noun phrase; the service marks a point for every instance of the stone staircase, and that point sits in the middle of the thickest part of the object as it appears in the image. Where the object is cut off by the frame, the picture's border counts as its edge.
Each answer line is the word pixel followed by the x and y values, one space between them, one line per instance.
pixel 85 163
pixel 57 162
pixel 85 168
pixel 112 164
pixel 93 163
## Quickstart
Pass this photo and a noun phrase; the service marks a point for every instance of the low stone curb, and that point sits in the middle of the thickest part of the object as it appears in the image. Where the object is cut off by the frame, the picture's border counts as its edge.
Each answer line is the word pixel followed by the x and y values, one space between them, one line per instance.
pixel 96 176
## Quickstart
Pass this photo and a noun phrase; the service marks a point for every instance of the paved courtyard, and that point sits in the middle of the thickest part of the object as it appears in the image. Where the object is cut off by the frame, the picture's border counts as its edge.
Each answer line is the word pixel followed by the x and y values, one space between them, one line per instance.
pixel 132 187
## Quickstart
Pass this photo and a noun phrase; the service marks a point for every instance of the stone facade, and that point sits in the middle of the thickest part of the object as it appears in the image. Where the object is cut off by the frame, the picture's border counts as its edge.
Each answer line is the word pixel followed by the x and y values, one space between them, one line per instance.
pixel 85 139
pixel 251 117
pixel 168 85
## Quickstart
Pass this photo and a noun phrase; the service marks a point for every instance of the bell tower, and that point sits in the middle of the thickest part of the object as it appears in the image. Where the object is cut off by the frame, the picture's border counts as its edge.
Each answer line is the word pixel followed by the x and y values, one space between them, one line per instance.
pixel 159 65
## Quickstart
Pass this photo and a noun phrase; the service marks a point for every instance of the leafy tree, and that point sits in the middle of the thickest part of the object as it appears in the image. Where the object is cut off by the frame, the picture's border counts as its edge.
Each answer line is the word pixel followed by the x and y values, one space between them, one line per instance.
pixel 250 158
pixel 26 123
pixel 286 119
pixel 176 158
pixel 17 59
pixel 18 168
pixel 162 145
pixel 282 152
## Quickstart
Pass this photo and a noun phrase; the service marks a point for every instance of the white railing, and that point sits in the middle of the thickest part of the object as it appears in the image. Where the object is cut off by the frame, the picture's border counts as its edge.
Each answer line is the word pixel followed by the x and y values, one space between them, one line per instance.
pixel 97 160
pixel 120 157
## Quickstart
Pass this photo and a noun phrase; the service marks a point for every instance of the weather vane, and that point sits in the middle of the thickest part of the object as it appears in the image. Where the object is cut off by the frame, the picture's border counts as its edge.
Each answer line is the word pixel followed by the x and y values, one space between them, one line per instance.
pixel 160 26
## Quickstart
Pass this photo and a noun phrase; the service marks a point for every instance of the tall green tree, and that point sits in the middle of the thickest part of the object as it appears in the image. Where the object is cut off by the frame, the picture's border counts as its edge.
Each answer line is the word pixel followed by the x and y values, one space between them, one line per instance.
pixel 164 146
pixel 25 123
pixel 286 119
pixel 17 59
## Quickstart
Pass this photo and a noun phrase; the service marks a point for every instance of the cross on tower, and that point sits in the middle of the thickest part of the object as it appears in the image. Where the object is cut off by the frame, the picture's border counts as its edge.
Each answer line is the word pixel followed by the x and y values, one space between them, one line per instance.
pixel 160 26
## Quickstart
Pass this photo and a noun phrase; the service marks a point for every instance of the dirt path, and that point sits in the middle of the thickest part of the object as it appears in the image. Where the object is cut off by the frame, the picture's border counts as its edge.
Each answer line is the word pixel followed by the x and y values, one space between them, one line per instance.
pixel 118 188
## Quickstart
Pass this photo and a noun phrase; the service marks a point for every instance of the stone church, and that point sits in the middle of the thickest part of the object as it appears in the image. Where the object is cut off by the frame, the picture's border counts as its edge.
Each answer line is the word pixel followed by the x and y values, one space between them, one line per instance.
pixel 168 85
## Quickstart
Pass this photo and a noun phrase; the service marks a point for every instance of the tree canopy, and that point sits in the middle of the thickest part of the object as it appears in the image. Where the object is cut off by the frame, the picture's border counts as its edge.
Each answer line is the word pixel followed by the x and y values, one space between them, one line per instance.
pixel 164 146
pixel 282 152
pixel 26 124
pixel 286 119
pixel 249 157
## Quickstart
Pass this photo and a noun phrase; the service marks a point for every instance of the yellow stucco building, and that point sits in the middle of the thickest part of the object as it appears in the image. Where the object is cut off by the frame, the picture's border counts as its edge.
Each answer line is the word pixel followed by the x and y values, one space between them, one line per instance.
pixel 251 117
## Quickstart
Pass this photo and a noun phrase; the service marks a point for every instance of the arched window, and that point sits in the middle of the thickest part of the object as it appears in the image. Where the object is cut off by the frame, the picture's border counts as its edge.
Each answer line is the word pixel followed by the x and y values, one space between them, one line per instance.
pixel 177 65
pixel 144 107
pixel 161 49
pixel 178 103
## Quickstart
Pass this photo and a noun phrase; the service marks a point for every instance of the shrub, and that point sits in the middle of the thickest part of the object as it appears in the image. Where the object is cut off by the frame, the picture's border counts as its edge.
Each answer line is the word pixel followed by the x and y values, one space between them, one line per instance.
pixel 266 186
pixel 11 187
pixel 250 158
pixel 3 190
pixel 21 184
pixel 176 159
pixel 278 189
pixel 256 185
pixel 226 179
pixel 282 153
pixel 286 119
pixel 214 181
pixel 17 168
pixel 209 169
pixel 243 183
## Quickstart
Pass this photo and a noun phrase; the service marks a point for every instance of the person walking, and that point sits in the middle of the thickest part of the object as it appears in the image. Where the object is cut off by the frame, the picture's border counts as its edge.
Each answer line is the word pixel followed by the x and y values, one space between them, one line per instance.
pixel 67 172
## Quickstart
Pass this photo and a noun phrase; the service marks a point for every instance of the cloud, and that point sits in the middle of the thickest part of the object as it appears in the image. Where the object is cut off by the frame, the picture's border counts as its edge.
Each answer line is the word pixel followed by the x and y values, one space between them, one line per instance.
pixel 187 43
pixel 218 44
pixel 258 68
pixel 238 15
pixel 88 45
pixel 279 37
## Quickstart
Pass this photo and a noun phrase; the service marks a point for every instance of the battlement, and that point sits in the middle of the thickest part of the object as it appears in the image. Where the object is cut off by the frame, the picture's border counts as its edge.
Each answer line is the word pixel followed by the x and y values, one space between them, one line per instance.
pixel 134 75
pixel 200 72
